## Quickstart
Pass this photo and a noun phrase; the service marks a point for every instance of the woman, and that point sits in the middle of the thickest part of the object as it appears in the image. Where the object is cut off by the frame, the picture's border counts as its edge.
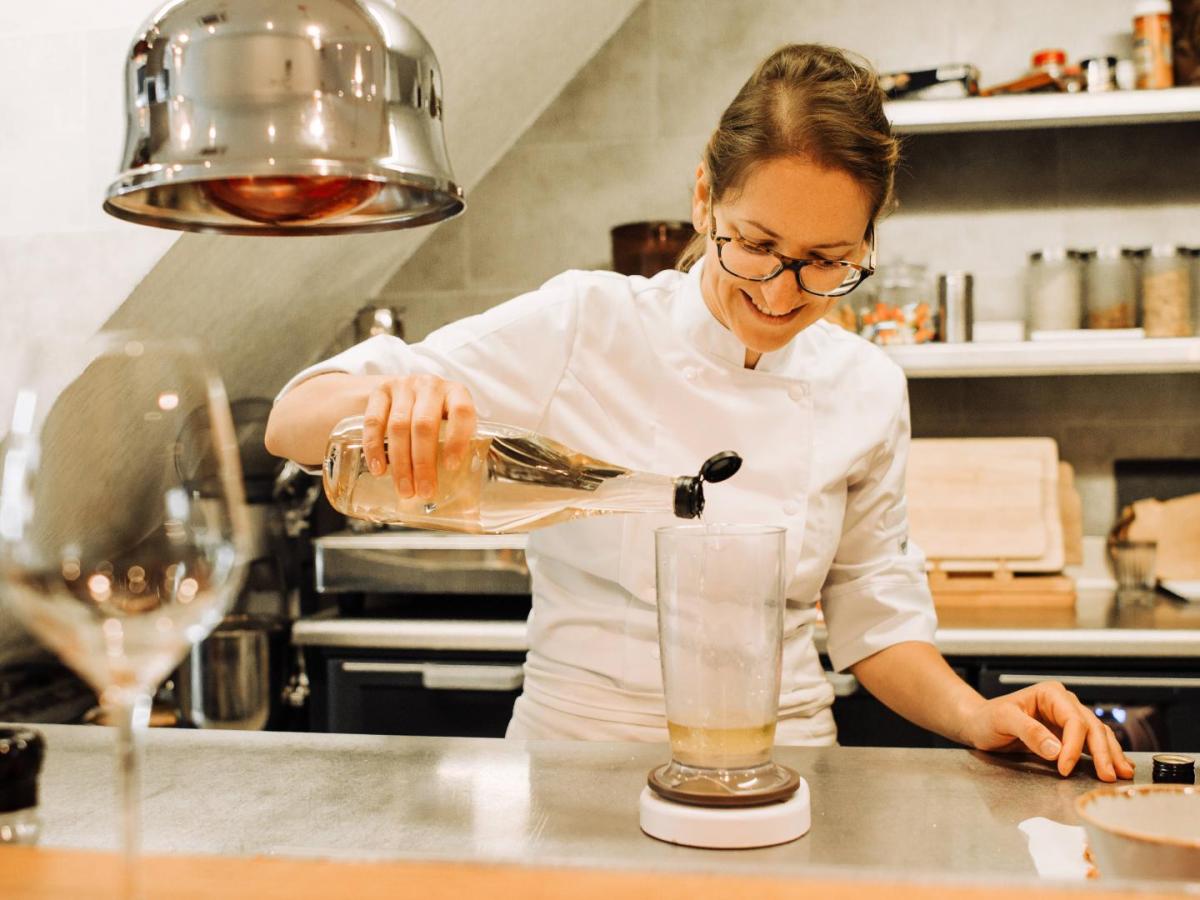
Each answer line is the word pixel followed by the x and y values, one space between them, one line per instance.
pixel 659 373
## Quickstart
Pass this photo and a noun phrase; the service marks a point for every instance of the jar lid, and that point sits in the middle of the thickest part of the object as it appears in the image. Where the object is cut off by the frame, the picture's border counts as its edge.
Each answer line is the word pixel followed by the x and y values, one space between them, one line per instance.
pixel 1108 252
pixel 1171 766
pixel 1050 254
pixel 1164 250
pixel 21 754
pixel 1050 56
pixel 1135 251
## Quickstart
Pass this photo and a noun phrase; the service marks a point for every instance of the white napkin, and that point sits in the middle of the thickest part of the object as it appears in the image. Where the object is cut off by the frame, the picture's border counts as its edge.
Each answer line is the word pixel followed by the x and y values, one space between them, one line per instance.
pixel 1057 849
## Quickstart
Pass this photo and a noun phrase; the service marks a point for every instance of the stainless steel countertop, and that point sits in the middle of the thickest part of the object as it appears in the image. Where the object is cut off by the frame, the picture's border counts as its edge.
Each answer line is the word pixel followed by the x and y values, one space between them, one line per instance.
pixel 936 813
pixel 1097 626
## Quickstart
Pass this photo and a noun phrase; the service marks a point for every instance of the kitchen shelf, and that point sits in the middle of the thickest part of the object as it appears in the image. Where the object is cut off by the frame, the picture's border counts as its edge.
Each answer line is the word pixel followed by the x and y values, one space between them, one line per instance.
pixel 1095 356
pixel 1044 110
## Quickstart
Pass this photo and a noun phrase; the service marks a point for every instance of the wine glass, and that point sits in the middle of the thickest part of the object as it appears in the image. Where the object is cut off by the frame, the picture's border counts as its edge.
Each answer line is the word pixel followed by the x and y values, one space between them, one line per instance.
pixel 106 555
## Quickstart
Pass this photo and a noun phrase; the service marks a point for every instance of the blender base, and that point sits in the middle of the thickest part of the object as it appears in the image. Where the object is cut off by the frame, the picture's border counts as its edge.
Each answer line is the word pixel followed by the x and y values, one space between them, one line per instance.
pixel 727 827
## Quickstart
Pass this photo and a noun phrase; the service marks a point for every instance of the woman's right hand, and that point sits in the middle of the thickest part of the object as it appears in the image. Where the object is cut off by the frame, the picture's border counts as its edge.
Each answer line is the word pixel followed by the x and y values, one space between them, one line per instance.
pixel 406 413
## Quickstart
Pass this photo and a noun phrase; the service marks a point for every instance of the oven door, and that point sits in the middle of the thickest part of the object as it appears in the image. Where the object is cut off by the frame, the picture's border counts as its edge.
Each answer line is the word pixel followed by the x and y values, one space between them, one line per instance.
pixel 430 693
pixel 1149 708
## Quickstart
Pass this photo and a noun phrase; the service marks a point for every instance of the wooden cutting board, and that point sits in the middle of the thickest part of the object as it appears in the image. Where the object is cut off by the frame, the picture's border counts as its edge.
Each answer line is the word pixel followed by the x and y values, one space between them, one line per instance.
pixel 973 502
pixel 1070 511
pixel 1175 525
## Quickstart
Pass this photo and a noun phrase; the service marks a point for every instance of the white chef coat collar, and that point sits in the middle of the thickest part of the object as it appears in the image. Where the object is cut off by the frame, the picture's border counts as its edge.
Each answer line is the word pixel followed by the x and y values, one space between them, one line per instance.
pixel 701 329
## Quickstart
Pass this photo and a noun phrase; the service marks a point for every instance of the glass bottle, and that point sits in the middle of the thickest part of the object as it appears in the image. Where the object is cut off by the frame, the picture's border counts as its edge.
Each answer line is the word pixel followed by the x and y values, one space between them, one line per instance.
pixel 1054 293
pixel 1166 290
pixel 21 753
pixel 510 480
pixel 1111 289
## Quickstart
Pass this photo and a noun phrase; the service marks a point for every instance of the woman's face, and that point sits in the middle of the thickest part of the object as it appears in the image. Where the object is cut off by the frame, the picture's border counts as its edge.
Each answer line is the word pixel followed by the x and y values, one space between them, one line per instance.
pixel 799 210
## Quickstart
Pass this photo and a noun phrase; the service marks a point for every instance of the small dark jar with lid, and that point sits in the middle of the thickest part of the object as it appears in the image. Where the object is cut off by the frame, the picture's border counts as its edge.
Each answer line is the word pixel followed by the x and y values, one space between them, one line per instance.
pixel 21 753
pixel 1174 768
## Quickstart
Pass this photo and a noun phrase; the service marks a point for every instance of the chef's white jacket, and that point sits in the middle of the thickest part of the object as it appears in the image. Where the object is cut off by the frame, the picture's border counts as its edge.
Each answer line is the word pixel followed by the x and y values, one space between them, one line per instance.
pixel 638 372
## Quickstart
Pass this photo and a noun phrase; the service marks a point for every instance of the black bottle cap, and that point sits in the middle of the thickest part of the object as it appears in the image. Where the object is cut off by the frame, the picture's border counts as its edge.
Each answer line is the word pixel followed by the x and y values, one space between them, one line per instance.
pixel 1174 768
pixel 21 753
pixel 720 466
pixel 689 491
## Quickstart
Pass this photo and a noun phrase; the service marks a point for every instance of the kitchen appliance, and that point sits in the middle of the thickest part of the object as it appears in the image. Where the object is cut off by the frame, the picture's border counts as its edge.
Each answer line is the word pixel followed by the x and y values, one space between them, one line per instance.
pixel 720 631
pixel 426 635
pixel 268 118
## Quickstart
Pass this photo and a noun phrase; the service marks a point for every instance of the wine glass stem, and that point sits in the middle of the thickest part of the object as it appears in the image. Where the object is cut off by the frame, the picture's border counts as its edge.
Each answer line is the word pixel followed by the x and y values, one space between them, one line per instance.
pixel 132 714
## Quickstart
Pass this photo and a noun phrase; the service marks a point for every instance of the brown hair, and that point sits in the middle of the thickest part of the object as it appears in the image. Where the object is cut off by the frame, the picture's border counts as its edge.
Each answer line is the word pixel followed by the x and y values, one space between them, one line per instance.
pixel 806 100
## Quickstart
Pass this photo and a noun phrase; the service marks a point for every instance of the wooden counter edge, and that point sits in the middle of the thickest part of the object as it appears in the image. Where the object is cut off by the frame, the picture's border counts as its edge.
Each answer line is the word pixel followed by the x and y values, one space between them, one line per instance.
pixel 30 873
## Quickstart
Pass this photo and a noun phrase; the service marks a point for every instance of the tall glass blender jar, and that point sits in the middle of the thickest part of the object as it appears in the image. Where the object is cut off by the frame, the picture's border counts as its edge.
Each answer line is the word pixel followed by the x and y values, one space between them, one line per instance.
pixel 720 626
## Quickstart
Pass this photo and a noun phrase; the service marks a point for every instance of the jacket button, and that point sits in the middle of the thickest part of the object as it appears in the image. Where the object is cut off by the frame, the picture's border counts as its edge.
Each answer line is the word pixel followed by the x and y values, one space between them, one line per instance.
pixel 691 373
pixel 797 391
pixel 791 508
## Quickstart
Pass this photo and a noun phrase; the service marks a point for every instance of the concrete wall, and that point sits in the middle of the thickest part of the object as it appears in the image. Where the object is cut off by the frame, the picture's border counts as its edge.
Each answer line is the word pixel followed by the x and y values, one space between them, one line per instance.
pixel 622 141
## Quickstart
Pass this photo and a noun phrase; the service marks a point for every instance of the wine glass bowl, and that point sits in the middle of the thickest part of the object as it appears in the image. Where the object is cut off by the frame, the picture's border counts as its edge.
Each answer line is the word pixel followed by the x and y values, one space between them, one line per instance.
pixel 107 555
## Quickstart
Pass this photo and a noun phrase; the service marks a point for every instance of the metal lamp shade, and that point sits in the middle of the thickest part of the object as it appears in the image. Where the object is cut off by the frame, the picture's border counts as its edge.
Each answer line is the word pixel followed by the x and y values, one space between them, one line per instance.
pixel 265 117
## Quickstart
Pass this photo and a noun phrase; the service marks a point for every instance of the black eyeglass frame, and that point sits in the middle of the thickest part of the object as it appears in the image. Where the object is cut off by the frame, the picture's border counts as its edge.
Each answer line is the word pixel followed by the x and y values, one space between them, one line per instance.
pixel 795 265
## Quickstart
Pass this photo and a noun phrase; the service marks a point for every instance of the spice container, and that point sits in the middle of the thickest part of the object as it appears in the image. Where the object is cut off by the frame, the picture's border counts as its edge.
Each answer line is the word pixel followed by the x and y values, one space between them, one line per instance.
pixel 1152 43
pixel 901 312
pixel 1193 256
pixel 1100 73
pixel 1052 61
pixel 1166 293
pixel 1173 768
pixel 1054 290
pixel 1110 289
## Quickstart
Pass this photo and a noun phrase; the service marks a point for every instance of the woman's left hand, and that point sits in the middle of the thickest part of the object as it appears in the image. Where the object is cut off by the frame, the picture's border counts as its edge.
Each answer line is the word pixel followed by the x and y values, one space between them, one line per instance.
pixel 1049 720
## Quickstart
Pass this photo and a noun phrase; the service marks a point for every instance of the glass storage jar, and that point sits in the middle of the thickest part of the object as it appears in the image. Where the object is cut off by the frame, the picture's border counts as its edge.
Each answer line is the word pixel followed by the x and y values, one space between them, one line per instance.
pixel 1166 292
pixel 1110 288
pixel 1054 290
pixel 901 311
pixel 1193 254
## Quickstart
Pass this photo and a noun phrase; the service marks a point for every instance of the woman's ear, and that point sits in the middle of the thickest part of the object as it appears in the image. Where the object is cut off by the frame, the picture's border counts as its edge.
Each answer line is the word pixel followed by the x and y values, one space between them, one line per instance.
pixel 700 201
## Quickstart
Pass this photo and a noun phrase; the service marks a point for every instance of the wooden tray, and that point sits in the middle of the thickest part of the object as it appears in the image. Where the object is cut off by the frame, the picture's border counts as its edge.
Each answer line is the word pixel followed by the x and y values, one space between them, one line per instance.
pixel 1000 587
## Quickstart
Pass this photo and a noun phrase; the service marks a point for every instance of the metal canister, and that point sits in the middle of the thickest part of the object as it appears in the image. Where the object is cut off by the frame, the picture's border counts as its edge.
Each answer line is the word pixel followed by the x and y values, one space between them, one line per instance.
pixel 956 314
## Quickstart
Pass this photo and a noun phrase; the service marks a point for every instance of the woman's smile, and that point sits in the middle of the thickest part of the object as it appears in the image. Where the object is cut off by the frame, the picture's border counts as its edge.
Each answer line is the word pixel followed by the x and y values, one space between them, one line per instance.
pixel 766 315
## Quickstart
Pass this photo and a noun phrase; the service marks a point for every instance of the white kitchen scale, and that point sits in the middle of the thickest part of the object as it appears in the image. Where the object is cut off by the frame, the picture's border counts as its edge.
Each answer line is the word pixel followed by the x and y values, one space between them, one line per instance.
pixel 671 812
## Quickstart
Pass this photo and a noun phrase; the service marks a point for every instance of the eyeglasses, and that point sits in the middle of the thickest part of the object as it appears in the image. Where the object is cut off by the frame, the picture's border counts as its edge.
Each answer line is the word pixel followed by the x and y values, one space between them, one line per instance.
pixel 823 277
